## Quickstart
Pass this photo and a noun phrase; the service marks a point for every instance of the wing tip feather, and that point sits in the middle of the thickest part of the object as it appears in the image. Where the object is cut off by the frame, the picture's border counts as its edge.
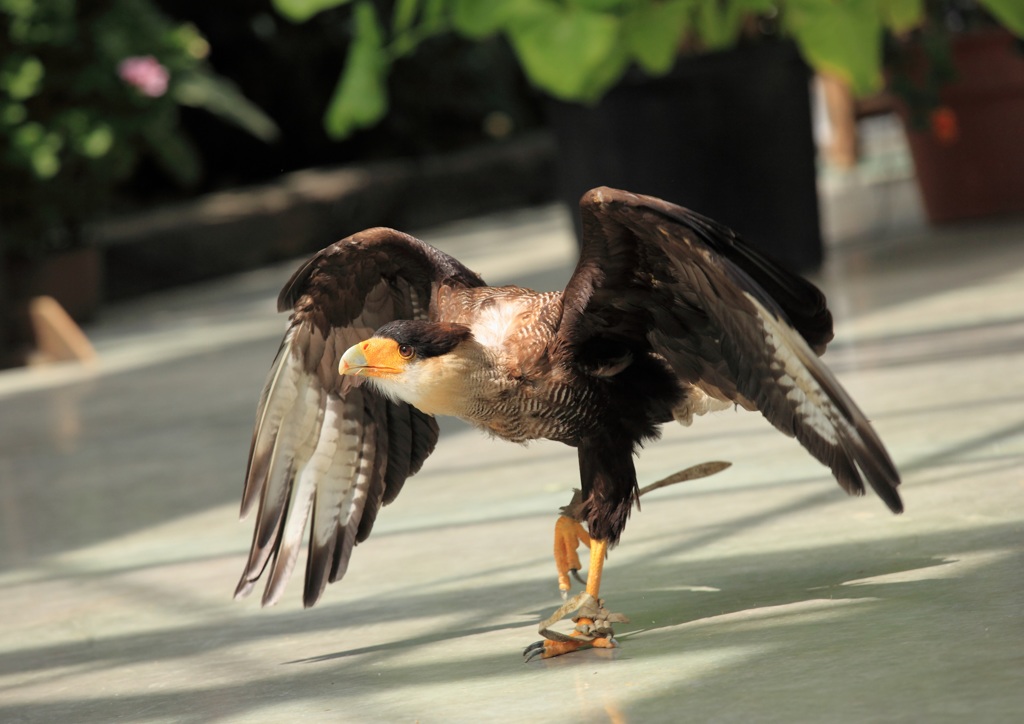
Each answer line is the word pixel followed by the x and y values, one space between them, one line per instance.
pixel 244 587
pixel 866 454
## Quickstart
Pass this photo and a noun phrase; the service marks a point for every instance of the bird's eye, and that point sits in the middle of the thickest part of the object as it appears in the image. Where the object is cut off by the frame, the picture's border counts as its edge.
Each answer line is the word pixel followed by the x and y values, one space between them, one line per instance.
pixel 405 351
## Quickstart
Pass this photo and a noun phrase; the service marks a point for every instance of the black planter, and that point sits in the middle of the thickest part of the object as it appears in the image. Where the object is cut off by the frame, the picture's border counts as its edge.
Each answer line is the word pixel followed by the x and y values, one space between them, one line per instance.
pixel 726 134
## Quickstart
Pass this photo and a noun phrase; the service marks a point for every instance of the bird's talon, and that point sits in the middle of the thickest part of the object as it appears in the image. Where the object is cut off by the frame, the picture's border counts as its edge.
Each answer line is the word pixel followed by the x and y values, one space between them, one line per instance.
pixel 593 625
pixel 532 651
pixel 576 574
pixel 549 648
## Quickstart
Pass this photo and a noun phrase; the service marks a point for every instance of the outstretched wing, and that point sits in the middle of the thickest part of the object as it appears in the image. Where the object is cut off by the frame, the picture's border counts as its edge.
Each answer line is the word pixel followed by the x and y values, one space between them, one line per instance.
pixel 326 450
pixel 733 326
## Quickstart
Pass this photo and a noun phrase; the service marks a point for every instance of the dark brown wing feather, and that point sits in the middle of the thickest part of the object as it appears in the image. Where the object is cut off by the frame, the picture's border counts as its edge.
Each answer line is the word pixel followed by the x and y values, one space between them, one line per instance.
pixel 660 278
pixel 325 451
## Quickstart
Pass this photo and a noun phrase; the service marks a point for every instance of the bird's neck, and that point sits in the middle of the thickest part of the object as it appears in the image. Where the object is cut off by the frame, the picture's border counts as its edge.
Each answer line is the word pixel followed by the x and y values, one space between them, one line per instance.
pixel 460 384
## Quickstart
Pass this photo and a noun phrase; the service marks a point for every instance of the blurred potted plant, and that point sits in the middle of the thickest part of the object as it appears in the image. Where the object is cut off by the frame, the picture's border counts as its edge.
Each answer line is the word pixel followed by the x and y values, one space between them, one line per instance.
pixel 960 81
pixel 678 88
pixel 701 93
pixel 88 88
pixel 577 50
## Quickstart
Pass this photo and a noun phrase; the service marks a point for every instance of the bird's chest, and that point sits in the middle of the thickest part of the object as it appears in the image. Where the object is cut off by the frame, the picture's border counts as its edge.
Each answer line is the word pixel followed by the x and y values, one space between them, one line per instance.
pixel 521 410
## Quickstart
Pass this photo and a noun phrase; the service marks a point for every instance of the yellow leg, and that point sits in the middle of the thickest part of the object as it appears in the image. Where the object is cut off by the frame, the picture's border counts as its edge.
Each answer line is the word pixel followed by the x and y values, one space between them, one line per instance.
pixel 569 533
pixel 548 648
pixel 598 552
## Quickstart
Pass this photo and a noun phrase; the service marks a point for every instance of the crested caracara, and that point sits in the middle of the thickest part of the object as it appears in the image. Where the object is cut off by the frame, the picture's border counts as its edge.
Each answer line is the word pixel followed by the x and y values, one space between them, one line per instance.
pixel 667 315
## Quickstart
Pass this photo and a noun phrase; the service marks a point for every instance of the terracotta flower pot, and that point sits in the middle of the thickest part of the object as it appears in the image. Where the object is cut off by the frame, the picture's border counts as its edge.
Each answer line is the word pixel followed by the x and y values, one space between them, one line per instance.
pixel 970 160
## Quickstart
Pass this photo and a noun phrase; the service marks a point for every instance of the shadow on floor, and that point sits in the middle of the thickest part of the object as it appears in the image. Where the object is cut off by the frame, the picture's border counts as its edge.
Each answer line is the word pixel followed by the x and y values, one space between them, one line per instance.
pixel 779 617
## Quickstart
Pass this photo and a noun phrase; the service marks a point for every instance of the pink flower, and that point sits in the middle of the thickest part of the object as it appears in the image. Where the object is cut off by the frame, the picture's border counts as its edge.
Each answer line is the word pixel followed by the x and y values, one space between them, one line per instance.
pixel 145 73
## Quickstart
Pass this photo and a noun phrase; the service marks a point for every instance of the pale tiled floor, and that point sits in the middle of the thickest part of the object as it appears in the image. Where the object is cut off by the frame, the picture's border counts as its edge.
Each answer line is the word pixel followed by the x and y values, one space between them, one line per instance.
pixel 763 594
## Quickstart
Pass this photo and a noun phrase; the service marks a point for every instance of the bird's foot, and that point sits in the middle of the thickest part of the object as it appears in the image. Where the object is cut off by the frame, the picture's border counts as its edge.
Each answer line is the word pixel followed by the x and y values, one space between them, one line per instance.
pixel 593 629
pixel 569 533
pixel 546 649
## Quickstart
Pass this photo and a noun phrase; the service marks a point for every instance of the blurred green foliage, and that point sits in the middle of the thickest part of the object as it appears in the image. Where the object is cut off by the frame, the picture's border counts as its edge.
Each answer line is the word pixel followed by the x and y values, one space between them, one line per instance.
pixel 74 122
pixel 921 65
pixel 576 50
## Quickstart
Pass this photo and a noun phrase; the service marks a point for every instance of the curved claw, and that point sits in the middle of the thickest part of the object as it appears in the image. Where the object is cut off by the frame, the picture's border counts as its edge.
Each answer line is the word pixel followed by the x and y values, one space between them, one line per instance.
pixel 579 579
pixel 532 651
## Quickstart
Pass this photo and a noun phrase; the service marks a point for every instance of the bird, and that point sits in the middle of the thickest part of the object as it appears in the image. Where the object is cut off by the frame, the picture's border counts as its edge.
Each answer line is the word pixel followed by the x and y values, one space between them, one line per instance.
pixel 668 315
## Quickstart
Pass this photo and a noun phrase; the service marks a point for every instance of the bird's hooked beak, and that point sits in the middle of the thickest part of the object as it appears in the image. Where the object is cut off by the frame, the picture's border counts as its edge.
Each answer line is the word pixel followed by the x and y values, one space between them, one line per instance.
pixel 374 357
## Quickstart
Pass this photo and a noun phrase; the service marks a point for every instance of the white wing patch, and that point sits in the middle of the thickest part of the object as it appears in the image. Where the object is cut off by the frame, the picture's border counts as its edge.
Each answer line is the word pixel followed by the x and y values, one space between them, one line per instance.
pixel 810 402
pixel 289 424
pixel 295 525
pixel 312 443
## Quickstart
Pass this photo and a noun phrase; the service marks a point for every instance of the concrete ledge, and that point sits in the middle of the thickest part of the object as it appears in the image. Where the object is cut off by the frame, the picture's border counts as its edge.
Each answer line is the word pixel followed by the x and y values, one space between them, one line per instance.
pixel 304 211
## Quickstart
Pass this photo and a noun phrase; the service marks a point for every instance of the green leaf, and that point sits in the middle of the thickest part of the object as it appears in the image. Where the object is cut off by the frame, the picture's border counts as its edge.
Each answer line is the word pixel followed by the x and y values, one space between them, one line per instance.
pixel 40 147
pixel 222 98
pixel 404 15
pixel 478 20
pixel 652 33
pixel 899 16
pixel 569 52
pixel 360 98
pixel 24 80
pixel 755 7
pixel 433 20
pixel 11 114
pixel 434 15
pixel 299 11
pixel 28 135
pixel 97 142
pixel 21 9
pixel 842 37
pixel 604 6
pixel 607 74
pixel 45 162
pixel 719 24
pixel 1009 12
